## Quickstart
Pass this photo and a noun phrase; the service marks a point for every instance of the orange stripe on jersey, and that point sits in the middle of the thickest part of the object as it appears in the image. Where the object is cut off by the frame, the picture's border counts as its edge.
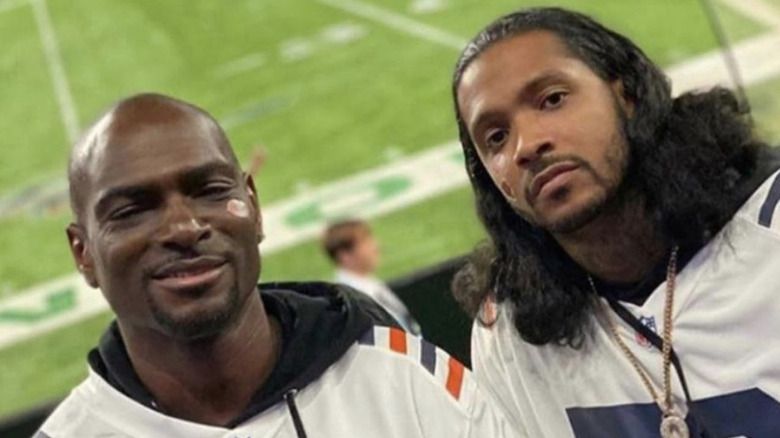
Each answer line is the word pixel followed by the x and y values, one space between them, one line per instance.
pixel 455 378
pixel 398 340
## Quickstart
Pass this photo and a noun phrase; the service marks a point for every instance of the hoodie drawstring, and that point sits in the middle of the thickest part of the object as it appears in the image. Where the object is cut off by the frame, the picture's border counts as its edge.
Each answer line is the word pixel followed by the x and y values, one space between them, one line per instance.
pixel 289 397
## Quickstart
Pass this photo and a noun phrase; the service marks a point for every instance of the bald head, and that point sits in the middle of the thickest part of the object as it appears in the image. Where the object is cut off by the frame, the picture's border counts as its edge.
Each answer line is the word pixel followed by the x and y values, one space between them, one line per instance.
pixel 131 119
pixel 157 192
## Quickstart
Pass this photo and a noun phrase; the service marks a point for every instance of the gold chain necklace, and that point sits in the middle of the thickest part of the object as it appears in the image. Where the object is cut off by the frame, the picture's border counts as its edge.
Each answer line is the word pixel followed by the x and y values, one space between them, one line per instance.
pixel 672 424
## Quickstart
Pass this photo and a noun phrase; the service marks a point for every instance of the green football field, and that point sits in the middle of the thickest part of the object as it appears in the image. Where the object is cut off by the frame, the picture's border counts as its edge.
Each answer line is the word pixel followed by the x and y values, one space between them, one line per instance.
pixel 328 91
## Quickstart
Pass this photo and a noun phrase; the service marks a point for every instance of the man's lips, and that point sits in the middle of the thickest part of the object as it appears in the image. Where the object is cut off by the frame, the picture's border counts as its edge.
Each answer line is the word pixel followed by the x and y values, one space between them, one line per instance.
pixel 549 174
pixel 189 273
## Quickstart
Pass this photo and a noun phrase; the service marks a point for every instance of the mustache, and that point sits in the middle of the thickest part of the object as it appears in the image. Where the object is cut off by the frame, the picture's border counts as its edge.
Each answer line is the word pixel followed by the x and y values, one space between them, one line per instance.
pixel 185 254
pixel 543 163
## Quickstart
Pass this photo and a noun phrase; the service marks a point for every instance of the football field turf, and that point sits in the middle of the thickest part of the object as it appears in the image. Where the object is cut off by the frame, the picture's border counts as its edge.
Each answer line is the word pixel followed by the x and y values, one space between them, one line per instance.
pixel 329 88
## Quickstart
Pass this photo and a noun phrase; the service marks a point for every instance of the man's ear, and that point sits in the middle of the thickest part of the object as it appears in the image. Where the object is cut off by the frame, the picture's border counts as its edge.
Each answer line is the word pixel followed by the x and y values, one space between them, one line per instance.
pixel 620 95
pixel 81 254
pixel 254 205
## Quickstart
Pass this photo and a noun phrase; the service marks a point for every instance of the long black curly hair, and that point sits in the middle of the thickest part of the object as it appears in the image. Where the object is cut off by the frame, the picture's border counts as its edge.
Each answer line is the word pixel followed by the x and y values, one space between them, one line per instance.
pixel 688 158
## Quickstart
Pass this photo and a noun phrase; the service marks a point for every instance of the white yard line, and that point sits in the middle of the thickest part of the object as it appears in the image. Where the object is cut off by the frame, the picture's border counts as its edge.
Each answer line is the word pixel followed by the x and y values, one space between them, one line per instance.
pixel 59 79
pixel 757 10
pixel 755 58
pixel 10 5
pixel 398 22
pixel 86 302
pixel 242 65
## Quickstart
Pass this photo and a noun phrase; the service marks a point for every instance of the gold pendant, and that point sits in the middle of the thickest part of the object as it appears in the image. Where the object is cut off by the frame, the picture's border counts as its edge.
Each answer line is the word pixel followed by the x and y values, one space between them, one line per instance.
pixel 673 426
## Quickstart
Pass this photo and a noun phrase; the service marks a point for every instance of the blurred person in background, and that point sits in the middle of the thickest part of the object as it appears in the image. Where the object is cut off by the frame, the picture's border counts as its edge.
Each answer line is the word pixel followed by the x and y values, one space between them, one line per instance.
pixel 351 246
pixel 629 285
pixel 167 227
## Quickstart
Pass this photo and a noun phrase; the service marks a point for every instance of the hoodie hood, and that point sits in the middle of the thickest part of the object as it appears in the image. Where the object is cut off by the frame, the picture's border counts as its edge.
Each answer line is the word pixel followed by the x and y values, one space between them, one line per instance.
pixel 319 321
pixel 322 322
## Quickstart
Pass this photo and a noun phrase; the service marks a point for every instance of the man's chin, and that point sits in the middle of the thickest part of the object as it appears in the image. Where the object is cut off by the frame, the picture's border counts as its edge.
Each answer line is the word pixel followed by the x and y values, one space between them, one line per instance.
pixel 573 218
pixel 200 322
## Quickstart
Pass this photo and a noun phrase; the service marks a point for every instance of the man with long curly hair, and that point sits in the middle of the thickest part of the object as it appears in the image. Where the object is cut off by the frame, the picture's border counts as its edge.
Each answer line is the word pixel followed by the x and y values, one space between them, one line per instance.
pixel 629 284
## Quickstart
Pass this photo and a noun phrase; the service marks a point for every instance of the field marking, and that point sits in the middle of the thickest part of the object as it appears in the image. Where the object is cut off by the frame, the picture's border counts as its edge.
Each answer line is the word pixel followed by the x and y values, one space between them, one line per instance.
pixel 398 22
pixel 241 65
pixel 59 79
pixel 709 69
pixel 256 110
pixel 295 49
pixel 85 302
pixel 343 33
pixel 427 6
pixel 10 5
pixel 757 10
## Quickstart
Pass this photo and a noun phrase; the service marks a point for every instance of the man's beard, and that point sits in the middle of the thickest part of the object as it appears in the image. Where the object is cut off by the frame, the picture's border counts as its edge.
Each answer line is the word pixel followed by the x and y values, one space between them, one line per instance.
pixel 579 218
pixel 612 196
pixel 201 324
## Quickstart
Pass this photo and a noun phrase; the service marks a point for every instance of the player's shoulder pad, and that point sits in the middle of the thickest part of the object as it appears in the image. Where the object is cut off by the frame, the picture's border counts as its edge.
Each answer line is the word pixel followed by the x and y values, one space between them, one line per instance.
pixel 445 369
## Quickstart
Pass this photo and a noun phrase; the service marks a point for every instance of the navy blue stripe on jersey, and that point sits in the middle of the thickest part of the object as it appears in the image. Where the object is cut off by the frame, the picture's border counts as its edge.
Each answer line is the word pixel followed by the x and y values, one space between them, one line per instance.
pixel 637 421
pixel 752 413
pixel 768 209
pixel 428 356
pixel 367 338
pixel 749 413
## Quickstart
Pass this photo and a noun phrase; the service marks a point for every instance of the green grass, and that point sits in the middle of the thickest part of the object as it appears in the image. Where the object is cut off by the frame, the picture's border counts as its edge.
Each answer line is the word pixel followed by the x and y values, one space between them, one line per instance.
pixel 320 105
pixel 684 30
pixel 349 100
pixel 324 117
pixel 321 118
pixel 34 145
pixel 765 102
pixel 34 250
pixel 47 367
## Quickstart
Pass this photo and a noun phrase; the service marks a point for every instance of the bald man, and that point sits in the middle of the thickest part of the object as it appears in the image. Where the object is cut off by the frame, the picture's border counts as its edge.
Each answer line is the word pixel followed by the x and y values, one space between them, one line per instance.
pixel 167 227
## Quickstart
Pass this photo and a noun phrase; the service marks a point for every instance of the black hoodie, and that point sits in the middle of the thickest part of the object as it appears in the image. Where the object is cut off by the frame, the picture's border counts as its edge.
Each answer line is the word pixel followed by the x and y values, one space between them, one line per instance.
pixel 319 322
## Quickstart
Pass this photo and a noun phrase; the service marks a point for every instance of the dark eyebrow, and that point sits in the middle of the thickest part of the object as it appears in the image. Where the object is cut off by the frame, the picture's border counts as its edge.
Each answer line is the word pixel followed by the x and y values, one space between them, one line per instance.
pixel 528 90
pixel 185 177
pixel 199 173
pixel 130 192
pixel 540 81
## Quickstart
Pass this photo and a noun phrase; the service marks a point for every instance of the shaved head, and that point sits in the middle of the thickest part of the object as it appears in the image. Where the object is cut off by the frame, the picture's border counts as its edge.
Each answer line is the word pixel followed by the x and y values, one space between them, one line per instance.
pixel 155 186
pixel 128 117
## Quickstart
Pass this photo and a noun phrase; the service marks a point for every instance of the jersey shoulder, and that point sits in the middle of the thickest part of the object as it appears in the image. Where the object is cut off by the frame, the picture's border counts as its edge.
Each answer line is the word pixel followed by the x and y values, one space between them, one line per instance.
pixel 74 418
pixel 409 353
pixel 763 206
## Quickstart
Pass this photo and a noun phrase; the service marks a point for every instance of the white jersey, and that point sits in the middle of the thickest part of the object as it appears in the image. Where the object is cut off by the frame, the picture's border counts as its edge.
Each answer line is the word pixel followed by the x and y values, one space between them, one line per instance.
pixel 390 384
pixel 726 334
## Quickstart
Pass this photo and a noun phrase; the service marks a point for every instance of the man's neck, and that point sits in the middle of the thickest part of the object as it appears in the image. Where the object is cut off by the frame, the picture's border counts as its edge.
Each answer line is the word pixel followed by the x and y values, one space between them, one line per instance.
pixel 620 247
pixel 213 381
pixel 357 271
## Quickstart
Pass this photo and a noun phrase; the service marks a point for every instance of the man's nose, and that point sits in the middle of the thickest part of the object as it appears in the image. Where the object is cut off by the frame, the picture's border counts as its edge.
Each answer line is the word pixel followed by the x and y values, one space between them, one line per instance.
pixel 531 143
pixel 182 229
